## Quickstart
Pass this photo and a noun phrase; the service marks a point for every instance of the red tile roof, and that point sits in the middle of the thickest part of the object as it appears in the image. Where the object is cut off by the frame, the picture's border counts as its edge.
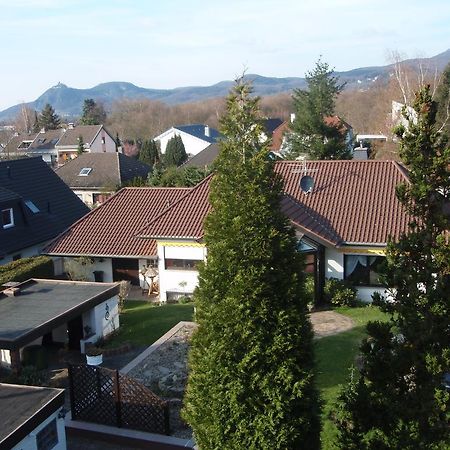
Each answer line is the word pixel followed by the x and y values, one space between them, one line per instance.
pixel 352 202
pixel 110 229
pixel 185 218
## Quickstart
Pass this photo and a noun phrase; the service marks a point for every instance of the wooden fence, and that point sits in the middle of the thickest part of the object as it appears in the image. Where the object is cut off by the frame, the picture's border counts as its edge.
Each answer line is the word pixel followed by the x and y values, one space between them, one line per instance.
pixel 108 397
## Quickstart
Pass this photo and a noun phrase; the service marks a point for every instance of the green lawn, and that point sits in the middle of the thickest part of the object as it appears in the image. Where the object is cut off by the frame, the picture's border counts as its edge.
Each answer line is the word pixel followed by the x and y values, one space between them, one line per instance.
pixel 141 323
pixel 335 355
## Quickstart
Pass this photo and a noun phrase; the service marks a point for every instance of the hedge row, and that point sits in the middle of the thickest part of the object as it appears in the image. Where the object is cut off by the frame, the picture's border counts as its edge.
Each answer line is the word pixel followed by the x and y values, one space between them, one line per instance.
pixel 25 268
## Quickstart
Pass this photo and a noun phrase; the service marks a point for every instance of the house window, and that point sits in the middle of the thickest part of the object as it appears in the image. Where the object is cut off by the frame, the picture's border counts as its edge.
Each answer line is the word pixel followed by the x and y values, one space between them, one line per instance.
pixel 85 171
pixel 103 140
pixel 47 438
pixel 362 270
pixel 181 264
pixel 7 218
pixel 31 206
pixel 17 257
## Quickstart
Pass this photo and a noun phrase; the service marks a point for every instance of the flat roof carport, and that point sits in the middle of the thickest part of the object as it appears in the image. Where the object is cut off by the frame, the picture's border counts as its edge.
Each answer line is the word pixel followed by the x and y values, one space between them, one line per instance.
pixel 43 305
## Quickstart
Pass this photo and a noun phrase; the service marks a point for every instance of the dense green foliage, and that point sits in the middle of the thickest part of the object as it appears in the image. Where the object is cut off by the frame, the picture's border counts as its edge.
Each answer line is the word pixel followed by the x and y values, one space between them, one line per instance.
pixel 80 148
pixel 397 401
pixel 175 152
pixel 311 135
pixel 177 176
pixel 149 153
pixel 26 268
pixel 48 119
pixel 443 102
pixel 93 113
pixel 251 381
pixel 340 293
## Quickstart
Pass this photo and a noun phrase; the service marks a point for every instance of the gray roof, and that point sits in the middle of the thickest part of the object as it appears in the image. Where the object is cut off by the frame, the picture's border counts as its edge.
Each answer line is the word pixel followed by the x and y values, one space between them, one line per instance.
pixel 43 305
pixel 88 132
pixel 204 158
pixel 31 179
pixel 15 142
pixel 198 131
pixel 45 141
pixel 107 170
pixel 27 407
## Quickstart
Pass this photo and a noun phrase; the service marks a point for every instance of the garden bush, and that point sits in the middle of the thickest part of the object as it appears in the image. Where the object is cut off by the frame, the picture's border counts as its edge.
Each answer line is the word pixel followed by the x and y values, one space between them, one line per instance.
pixel 340 293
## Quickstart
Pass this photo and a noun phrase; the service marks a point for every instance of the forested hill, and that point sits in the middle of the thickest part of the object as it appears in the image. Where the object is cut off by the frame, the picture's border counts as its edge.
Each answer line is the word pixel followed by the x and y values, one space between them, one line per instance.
pixel 68 101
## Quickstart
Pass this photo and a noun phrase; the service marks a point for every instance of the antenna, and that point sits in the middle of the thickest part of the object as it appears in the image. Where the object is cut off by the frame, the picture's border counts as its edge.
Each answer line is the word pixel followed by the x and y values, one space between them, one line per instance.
pixel 306 181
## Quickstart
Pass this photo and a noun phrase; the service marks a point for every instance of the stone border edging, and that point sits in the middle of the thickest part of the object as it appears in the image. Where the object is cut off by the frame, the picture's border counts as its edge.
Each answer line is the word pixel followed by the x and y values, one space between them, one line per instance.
pixel 139 358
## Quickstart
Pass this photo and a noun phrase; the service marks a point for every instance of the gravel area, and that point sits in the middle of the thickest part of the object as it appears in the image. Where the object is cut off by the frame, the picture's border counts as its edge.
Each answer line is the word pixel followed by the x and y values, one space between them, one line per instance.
pixel 164 371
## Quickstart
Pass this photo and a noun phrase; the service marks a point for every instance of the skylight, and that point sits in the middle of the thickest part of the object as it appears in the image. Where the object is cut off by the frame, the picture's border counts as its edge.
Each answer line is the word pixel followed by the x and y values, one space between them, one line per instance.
pixel 85 171
pixel 31 206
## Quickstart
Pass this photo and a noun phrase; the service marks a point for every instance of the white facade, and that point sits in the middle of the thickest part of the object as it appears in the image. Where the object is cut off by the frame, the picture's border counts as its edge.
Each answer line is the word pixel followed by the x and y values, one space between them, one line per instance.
pixel 192 144
pixel 30 443
pixel 27 252
pixel 178 281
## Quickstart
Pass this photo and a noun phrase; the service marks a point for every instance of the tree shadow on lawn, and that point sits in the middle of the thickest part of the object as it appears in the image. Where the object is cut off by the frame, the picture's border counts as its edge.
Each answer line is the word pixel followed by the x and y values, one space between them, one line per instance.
pixel 335 355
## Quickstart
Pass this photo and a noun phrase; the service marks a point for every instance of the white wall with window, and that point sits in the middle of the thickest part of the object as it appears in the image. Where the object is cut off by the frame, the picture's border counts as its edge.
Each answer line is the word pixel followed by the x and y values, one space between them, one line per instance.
pixel 177 266
pixel 49 435
pixel 360 269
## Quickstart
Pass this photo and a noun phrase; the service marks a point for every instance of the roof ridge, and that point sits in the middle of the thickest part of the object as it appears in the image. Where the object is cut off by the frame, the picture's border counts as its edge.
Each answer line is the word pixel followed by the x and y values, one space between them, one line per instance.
pixel 193 189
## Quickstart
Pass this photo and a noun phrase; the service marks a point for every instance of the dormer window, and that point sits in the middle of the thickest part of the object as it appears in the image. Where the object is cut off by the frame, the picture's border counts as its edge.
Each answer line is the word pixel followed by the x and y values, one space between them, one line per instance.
pixel 7 218
pixel 85 171
pixel 31 206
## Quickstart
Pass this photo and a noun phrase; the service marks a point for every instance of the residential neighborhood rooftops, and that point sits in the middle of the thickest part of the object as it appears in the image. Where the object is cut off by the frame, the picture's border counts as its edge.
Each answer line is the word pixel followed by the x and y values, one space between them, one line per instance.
pixel 41 305
pixel 31 180
pixel 46 140
pixel 26 407
pixel 107 169
pixel 110 229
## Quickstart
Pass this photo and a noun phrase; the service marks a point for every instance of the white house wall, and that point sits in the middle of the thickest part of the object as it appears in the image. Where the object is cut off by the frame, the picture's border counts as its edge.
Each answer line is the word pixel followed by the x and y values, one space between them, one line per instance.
pixel 178 281
pixel 29 442
pixel 192 144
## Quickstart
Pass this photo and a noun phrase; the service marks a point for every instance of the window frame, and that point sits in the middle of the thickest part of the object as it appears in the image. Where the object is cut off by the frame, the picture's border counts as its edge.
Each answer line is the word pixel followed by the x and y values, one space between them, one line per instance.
pixel 85 171
pixel 47 437
pixel 366 282
pixel 10 224
pixel 186 264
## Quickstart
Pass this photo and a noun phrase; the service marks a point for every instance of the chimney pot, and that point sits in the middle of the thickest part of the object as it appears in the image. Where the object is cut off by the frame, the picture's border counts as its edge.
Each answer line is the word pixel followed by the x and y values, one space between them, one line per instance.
pixel 207 132
pixel 292 117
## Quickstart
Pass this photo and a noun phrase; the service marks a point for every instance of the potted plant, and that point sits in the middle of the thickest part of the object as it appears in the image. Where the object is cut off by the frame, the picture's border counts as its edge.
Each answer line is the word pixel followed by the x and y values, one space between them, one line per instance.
pixel 94 355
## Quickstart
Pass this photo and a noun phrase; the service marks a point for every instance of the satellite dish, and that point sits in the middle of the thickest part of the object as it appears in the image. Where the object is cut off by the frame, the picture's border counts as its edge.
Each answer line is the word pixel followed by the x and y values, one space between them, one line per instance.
pixel 307 184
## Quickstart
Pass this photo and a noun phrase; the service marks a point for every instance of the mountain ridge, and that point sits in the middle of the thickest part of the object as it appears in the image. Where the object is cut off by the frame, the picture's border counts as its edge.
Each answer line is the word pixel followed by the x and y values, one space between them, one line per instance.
pixel 68 101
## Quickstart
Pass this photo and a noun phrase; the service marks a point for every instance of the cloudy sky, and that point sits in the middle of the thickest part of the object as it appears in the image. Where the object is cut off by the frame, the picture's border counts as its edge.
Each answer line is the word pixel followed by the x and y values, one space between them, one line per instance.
pixel 172 43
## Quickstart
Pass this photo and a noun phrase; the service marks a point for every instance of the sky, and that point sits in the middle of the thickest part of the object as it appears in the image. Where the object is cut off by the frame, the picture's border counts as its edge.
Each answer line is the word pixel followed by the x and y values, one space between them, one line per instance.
pixel 173 43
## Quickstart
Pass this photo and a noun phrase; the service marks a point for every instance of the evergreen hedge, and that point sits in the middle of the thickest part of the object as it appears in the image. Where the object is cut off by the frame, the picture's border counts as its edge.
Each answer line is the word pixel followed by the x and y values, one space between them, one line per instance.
pixel 26 268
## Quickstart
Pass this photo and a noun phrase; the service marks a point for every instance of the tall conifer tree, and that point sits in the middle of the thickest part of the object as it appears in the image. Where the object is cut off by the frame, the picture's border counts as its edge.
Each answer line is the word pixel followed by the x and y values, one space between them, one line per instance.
pixel 251 382
pixel 48 119
pixel 398 400
pixel 312 133
pixel 175 152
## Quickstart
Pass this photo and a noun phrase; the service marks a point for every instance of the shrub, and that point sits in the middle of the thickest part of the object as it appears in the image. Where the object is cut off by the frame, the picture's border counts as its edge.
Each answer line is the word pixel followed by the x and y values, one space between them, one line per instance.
pixel 309 289
pixel 340 293
pixel 31 376
pixel 26 268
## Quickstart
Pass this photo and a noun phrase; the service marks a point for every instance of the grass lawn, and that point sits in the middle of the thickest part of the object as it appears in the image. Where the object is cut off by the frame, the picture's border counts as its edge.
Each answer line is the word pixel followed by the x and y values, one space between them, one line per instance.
pixel 142 323
pixel 335 355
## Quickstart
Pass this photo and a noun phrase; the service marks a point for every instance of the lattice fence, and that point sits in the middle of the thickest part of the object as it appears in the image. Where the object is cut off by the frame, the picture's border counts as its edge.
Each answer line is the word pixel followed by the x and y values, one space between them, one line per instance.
pixel 106 396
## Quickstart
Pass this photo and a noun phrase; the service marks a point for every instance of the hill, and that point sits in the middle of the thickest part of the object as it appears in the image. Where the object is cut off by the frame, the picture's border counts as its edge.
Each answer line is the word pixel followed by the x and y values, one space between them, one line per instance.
pixel 68 101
